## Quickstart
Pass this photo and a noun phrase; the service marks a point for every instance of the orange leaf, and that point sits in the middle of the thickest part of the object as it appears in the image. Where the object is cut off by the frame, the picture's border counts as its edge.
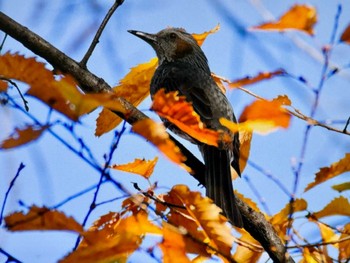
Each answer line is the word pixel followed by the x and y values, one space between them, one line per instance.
pixel 115 240
pixel 41 218
pixel 23 136
pixel 299 17
pixel 338 206
pixel 326 173
pixel 201 213
pixel 251 80
pixel 138 166
pixel 245 139
pixel 250 252
pixel 180 112
pixel 261 116
pixel 106 121
pixel 345 37
pixel 280 220
pixel 173 245
pixel 157 135
pixel 344 247
pixel 3 86
pixel 201 37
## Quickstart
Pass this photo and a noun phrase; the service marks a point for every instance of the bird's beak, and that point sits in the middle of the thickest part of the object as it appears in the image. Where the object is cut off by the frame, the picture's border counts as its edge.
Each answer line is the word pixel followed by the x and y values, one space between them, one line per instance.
pixel 149 38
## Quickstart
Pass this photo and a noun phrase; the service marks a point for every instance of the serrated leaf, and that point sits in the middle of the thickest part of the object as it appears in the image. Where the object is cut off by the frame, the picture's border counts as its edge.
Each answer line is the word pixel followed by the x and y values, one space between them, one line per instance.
pixel 138 166
pixel 201 37
pixel 338 206
pixel 41 218
pixel 252 80
pixel 23 136
pixel 157 135
pixel 299 17
pixel 326 173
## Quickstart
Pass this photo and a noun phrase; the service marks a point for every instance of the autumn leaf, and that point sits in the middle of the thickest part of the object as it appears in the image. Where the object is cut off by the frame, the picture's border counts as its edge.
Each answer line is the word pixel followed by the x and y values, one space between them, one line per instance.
pixel 338 206
pixel 138 166
pixel 299 17
pixel 326 173
pixel 134 87
pixel 248 250
pixel 251 80
pixel 201 213
pixel 114 241
pixel 173 245
pixel 344 247
pixel 280 220
pixel 313 255
pixel 345 36
pixel 261 116
pixel 23 136
pixel 328 234
pixel 180 112
pixel 135 203
pixel 3 86
pixel 201 37
pixel 342 187
pixel 157 135
pixel 245 139
pixel 41 218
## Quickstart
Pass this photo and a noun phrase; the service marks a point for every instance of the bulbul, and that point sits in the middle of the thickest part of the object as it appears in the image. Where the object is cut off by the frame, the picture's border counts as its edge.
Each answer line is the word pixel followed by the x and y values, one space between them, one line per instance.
pixel 183 67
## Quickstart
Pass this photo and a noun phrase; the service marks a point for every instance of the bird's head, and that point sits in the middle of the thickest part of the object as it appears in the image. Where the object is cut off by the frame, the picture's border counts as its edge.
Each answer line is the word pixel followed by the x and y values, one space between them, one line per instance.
pixel 172 44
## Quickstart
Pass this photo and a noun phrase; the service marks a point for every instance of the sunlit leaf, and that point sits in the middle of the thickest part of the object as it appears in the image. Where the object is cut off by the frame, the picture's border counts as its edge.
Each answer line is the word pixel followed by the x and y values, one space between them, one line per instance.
pixel 342 187
pixel 345 36
pixel 261 116
pixel 245 139
pixel 250 250
pixel 251 80
pixel 135 203
pixel 157 135
pixel 326 173
pixel 3 86
pixel 115 240
pixel 180 112
pixel 280 220
pixel 313 255
pixel 173 245
pixel 106 121
pixel 338 206
pixel 299 17
pixel 200 212
pixel 142 167
pixel 344 247
pixel 328 234
pixel 201 37
pixel 41 218
pixel 23 136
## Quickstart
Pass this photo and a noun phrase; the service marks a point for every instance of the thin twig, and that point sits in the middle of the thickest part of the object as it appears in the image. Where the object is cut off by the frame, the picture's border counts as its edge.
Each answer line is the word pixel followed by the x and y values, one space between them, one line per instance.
pixel 3 42
pixel 12 183
pixel 95 41
pixel 10 258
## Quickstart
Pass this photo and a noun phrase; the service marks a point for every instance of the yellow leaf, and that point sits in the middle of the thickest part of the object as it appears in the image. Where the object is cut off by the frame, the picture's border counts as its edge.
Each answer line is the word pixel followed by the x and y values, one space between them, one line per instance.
pixel 248 250
pixel 114 240
pixel 261 116
pixel 344 247
pixel 245 139
pixel 201 37
pixel 157 135
pixel 315 255
pixel 342 187
pixel 41 218
pixel 338 206
pixel 106 121
pixel 327 233
pixel 138 166
pixel 180 112
pixel 299 17
pixel 281 219
pixel 345 37
pixel 326 173
pixel 251 80
pixel 173 245
pixel 202 219
pixel 23 136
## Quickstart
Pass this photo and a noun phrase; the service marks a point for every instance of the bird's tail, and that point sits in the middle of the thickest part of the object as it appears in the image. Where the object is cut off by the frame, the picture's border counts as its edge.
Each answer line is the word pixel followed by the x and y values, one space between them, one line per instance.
pixel 219 183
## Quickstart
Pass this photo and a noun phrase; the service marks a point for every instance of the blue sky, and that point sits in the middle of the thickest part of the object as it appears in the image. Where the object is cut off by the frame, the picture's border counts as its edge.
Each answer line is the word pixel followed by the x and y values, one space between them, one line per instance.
pixel 52 173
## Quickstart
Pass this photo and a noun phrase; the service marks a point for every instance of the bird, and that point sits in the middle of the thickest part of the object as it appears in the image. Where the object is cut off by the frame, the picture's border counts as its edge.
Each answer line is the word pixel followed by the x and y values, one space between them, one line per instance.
pixel 183 67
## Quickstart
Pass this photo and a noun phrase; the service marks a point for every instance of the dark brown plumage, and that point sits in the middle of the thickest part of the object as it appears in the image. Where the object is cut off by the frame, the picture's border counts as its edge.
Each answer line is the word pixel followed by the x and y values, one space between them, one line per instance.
pixel 183 67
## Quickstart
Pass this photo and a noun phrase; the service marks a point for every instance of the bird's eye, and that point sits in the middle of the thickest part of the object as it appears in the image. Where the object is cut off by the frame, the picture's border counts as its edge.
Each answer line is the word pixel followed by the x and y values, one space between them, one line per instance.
pixel 173 36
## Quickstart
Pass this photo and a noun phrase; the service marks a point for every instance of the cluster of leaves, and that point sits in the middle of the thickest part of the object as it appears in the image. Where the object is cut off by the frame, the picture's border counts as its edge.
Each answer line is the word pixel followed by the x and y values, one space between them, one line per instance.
pixel 187 222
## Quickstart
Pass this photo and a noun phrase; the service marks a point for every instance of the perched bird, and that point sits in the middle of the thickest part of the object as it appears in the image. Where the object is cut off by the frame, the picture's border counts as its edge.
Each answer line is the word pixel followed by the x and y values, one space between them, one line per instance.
pixel 183 67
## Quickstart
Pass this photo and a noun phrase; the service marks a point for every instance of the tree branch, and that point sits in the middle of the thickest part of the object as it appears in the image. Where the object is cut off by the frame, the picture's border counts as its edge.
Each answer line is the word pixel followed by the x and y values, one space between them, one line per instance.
pixel 254 222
